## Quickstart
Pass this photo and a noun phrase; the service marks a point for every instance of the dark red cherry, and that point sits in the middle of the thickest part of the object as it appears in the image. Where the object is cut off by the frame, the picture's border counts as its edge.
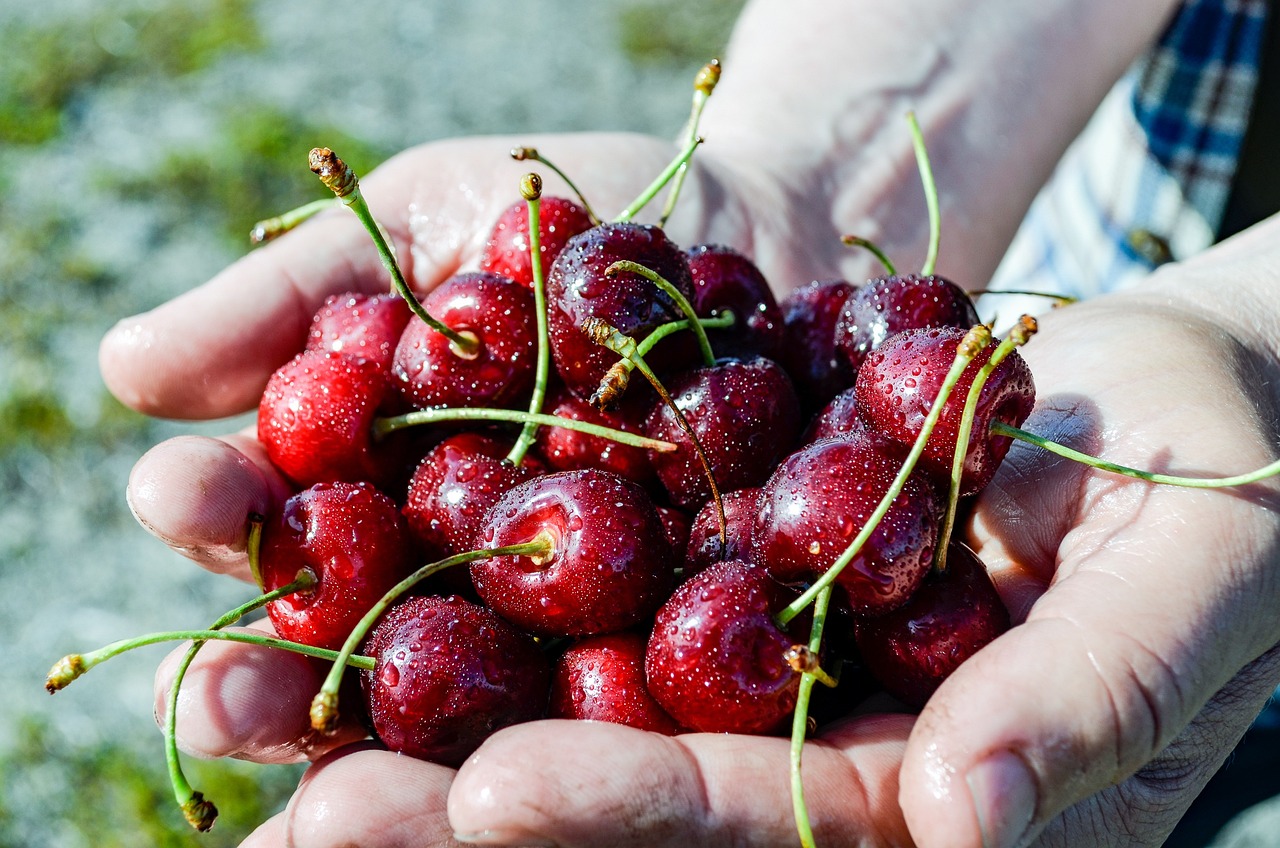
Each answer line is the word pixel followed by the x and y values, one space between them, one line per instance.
pixel 716 658
pixel 577 289
pixel 507 250
pixel 367 326
pixel 822 496
pixel 676 522
pixel 725 279
pixel 837 418
pixel 809 351
pixel 740 510
pixel 609 566
pixel 746 417
pixel 912 649
pixel 568 450
pixel 900 380
pixel 430 371
pixel 448 675
pixel 455 485
pixel 601 678
pixel 315 420
pixel 890 305
pixel 353 539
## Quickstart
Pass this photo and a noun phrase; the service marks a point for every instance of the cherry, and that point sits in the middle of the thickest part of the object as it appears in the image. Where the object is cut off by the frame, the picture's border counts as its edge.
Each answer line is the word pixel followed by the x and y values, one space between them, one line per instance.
pixel 716 658
pixel 449 674
pixel 704 548
pixel 610 565
pixel 809 352
pixel 676 522
pixel 367 326
pixel 578 289
pixel 601 678
pixel 507 250
pixel 429 370
pixel 837 418
pixel 890 305
pixel 745 415
pixel 821 497
pixel 567 450
pixel 725 279
pixel 912 649
pixel 315 416
pixel 455 485
pixel 353 539
pixel 899 381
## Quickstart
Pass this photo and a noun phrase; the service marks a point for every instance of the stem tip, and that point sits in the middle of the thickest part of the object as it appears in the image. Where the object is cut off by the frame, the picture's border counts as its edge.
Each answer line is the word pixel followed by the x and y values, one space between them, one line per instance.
pixel 199 813
pixel 324 713
pixel 63 672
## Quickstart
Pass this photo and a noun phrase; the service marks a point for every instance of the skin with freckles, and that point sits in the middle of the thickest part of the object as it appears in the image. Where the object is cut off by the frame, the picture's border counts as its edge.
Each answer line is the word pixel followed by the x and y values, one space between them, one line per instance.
pixel 1144 639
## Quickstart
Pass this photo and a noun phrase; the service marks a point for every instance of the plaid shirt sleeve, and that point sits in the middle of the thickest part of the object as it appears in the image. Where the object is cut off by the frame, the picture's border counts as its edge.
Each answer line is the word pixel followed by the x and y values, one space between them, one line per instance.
pixel 1148 179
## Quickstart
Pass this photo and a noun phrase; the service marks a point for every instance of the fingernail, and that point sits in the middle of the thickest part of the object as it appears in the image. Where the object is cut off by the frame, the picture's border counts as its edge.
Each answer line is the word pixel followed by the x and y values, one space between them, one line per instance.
pixel 502 837
pixel 1004 798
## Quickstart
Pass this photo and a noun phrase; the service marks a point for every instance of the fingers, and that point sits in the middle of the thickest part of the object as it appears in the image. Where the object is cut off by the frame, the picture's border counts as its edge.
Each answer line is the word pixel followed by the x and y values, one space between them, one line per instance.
pixel 249 702
pixel 589 784
pixel 196 495
pixel 362 796
pixel 1159 596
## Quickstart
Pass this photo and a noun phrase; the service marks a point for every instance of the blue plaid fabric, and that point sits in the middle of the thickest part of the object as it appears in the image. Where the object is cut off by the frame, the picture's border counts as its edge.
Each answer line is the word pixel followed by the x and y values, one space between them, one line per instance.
pixel 1149 178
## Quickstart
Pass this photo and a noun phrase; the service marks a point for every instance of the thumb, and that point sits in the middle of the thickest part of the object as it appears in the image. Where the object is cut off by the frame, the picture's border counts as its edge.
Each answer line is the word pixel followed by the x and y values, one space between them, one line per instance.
pixel 1112 664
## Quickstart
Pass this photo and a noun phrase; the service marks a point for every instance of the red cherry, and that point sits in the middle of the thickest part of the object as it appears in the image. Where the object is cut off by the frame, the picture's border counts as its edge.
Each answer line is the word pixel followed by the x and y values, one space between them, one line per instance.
pixel 809 350
pixel 822 496
pixel 367 326
pixel 890 305
pixel 725 279
pixel 609 567
pixel 716 658
pixel 448 675
pixel 912 649
pixel 507 250
pixel 499 312
pixel 837 418
pixel 746 417
pixel 704 548
pixel 601 678
pixel 577 289
pixel 455 485
pixel 899 381
pixel 353 539
pixel 569 450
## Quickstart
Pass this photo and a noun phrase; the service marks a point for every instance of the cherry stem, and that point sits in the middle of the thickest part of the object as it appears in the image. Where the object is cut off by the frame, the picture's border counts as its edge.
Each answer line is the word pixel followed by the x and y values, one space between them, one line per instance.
pixel 1019 336
pixel 1058 298
pixel 342 181
pixel 201 813
pixel 966 350
pixel 627 266
pixel 602 334
pixel 656 186
pixel 800 720
pixel 867 244
pixel 72 666
pixel 271 228
pixel 531 190
pixel 522 154
pixel 615 381
pixel 703 85
pixel 384 426
pixel 930 195
pixel 1000 428
pixel 324 707
pixel 253 549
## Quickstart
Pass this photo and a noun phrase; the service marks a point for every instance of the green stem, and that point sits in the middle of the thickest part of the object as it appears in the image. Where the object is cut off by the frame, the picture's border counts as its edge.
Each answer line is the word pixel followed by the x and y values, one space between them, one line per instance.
pixel 531 188
pixel 616 379
pixel 1060 299
pixel 966 350
pixel 324 708
pixel 930 195
pixel 656 186
pixel 384 426
pixel 266 230
pixel 253 549
pixel 1000 428
pixel 627 266
pixel 867 244
pixel 703 85
pixel 800 722
pixel 521 154
pixel 199 812
pixel 342 181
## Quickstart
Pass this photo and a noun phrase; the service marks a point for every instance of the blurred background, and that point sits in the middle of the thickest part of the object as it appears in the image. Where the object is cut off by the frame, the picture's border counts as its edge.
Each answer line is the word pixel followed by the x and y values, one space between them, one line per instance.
pixel 139 140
